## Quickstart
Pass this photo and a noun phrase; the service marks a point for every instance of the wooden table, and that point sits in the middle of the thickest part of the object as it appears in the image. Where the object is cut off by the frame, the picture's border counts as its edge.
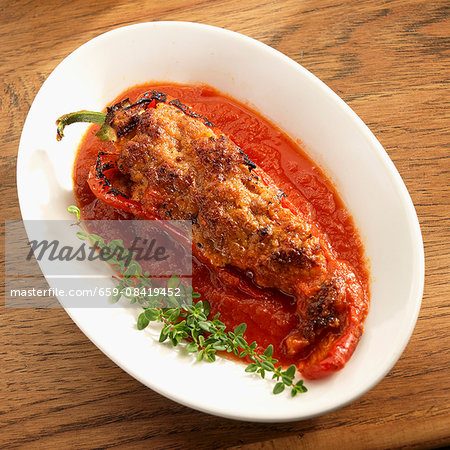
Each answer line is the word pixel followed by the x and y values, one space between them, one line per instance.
pixel 389 61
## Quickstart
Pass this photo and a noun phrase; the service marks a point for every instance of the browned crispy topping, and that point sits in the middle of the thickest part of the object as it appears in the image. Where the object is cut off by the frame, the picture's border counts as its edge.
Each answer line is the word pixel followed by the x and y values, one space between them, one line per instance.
pixel 237 220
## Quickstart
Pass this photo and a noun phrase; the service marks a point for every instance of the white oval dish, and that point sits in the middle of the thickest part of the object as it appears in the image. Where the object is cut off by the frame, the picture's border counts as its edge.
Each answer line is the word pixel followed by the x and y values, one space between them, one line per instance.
pixel 306 109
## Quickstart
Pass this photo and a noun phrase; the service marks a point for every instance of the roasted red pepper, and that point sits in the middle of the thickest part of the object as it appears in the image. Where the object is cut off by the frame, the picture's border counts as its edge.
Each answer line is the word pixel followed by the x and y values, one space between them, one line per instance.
pixel 101 179
pixel 331 354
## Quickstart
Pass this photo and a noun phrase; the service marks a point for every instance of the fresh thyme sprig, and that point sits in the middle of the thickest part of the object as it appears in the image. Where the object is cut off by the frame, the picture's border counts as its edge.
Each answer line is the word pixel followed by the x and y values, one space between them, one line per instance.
pixel 210 336
pixel 184 320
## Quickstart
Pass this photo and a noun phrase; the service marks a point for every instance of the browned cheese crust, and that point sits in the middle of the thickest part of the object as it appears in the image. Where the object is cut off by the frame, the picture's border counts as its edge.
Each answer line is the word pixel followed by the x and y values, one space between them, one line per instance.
pixel 185 171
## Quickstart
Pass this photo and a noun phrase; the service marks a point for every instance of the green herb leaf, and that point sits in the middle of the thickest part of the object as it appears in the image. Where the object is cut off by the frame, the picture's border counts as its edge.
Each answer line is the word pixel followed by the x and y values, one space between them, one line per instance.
pixel 206 305
pixel 116 296
pixel 290 372
pixel 192 347
pixel 152 314
pixel 74 210
pixel 266 365
pixel 164 334
pixel 240 329
pixel 205 326
pixel 82 235
pixel 269 350
pixel 142 321
pixel 219 346
pixel 173 282
pixel 96 240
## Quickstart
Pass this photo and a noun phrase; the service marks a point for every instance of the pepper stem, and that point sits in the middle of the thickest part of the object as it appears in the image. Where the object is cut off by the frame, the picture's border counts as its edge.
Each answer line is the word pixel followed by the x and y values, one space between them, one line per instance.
pixel 105 133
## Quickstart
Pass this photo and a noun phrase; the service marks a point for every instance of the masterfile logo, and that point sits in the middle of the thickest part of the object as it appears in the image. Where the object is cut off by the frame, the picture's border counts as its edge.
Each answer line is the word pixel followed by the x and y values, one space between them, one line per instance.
pixel 91 263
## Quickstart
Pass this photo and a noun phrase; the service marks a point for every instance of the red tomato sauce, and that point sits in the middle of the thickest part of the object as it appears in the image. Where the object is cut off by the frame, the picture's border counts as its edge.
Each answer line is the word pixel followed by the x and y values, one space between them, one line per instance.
pixel 269 314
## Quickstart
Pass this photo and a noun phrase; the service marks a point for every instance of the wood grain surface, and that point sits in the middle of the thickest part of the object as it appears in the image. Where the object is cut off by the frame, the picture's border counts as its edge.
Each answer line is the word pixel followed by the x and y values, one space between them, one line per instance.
pixel 389 60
